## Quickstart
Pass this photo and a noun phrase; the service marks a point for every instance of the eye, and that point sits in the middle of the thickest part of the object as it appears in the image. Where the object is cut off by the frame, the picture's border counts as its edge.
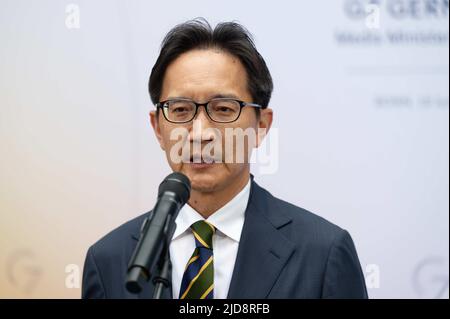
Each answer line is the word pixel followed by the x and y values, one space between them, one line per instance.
pixel 179 109
pixel 224 109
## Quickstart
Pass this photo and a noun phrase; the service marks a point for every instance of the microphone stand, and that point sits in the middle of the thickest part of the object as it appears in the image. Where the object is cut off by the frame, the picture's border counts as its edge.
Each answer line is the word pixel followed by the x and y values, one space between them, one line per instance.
pixel 162 278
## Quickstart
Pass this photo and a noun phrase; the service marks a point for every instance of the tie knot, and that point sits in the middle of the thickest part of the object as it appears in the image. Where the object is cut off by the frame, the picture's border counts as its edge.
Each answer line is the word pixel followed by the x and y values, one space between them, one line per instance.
pixel 203 233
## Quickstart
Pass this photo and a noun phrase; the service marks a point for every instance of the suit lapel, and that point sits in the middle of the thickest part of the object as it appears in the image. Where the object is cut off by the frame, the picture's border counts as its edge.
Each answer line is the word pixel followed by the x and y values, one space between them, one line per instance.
pixel 263 250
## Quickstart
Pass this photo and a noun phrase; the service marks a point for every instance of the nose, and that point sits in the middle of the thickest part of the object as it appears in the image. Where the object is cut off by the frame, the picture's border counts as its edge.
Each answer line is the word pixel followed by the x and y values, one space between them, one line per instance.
pixel 200 130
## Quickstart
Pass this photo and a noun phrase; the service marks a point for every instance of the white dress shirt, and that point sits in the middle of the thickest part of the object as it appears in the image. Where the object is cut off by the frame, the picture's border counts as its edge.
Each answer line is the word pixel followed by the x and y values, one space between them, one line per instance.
pixel 228 221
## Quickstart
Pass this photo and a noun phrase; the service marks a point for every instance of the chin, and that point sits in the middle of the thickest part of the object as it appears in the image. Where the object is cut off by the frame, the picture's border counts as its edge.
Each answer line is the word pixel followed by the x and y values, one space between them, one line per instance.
pixel 204 180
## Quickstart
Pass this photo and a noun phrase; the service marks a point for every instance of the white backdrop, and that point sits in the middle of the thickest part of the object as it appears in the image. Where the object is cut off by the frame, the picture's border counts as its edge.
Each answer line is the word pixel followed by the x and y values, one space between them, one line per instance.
pixel 361 110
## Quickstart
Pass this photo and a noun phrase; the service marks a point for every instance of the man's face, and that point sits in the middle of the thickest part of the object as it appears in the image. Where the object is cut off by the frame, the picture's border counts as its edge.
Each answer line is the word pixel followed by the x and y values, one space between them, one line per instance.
pixel 201 75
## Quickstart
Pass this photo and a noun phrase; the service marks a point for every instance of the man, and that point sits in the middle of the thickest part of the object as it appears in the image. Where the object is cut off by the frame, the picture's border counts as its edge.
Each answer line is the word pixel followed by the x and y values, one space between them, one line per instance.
pixel 233 238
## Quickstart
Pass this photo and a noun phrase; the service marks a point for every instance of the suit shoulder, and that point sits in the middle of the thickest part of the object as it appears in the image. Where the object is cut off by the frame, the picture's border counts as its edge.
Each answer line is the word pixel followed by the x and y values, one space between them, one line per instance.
pixel 119 236
pixel 308 225
pixel 305 217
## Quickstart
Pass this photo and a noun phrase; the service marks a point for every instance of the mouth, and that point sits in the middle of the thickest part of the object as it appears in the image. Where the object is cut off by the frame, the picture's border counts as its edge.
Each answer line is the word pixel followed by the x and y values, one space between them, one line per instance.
pixel 198 161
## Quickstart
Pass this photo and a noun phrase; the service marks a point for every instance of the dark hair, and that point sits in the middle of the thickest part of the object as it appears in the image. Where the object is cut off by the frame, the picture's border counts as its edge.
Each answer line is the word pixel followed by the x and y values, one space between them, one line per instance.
pixel 231 37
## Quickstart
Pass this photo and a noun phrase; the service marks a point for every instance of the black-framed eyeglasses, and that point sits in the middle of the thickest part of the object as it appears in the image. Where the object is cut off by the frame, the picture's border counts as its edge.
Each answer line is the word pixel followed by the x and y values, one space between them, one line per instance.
pixel 221 110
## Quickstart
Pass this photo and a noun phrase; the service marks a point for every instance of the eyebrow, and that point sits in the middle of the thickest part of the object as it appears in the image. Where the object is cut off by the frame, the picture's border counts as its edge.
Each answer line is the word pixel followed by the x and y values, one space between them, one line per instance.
pixel 215 96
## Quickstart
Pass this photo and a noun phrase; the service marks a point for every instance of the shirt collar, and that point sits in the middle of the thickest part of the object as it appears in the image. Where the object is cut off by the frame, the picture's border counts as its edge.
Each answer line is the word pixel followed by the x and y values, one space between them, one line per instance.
pixel 229 219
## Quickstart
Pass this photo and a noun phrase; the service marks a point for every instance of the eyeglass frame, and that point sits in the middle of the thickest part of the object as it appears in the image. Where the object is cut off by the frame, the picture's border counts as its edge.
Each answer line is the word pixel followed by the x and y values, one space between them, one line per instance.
pixel 242 104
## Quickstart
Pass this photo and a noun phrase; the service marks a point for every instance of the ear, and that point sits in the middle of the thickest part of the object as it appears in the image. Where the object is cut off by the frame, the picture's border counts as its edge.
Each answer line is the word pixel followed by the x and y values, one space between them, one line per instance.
pixel 154 120
pixel 264 124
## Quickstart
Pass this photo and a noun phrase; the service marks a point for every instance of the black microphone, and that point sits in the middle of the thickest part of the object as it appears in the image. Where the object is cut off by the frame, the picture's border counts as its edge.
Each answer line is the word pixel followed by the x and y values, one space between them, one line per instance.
pixel 157 230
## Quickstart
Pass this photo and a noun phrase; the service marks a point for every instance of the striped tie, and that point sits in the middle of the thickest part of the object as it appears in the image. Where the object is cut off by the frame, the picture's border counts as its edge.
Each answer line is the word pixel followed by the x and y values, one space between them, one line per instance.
pixel 198 278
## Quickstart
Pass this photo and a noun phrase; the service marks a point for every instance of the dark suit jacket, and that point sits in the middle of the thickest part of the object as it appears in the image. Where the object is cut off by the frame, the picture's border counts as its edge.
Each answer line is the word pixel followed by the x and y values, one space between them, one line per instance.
pixel 284 252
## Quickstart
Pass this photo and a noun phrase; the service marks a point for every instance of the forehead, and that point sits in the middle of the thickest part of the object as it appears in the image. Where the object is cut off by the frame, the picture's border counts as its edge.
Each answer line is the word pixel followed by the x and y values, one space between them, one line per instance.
pixel 201 74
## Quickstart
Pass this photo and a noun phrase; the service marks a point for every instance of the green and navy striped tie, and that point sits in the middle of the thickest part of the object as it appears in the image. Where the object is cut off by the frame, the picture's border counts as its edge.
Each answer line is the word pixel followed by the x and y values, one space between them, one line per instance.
pixel 198 278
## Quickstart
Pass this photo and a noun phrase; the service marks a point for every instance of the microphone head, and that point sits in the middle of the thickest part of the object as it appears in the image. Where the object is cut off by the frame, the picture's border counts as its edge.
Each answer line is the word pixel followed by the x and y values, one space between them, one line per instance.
pixel 178 184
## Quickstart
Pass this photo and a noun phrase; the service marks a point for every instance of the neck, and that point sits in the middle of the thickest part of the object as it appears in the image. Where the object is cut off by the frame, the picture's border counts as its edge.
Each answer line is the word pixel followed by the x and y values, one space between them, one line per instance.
pixel 207 204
